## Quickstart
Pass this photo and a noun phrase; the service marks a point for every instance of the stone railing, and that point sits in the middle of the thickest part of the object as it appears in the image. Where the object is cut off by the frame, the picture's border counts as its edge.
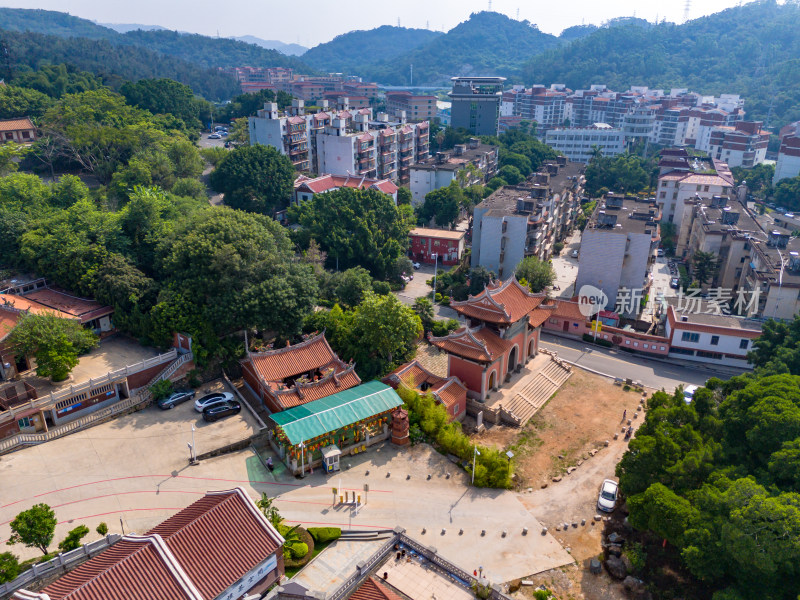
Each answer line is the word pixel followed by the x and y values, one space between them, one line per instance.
pixel 140 396
pixel 52 398
pixel 58 565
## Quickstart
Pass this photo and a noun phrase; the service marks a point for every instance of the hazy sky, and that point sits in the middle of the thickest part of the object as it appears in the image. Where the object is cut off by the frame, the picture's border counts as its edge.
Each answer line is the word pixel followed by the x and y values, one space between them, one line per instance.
pixel 311 22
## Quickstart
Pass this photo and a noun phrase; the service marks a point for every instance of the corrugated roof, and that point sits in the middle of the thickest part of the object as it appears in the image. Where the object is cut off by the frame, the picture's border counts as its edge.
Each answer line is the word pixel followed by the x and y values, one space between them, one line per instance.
pixel 334 412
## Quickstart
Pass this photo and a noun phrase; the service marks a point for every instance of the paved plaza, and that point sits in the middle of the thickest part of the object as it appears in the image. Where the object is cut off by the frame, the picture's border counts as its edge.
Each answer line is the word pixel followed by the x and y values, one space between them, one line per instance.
pixel 133 472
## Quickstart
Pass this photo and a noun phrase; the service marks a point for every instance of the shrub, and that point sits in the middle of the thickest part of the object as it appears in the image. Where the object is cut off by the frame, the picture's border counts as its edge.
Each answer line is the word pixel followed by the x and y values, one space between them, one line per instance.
pixel 445 301
pixel 442 328
pixel 588 337
pixel 438 297
pixel 9 567
pixel 637 555
pixel 161 389
pixel 73 539
pixel 381 287
pixel 102 529
pixel 298 550
pixel 324 534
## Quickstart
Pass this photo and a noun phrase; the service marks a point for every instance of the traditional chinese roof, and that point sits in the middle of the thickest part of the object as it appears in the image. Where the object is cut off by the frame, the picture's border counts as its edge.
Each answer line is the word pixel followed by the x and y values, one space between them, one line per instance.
pixel 372 589
pixel 539 316
pixel 332 382
pixel 21 124
pixel 325 183
pixel 450 392
pixel 447 390
pixel 194 555
pixel 8 320
pixel 504 303
pixel 480 344
pixel 568 309
pixel 274 366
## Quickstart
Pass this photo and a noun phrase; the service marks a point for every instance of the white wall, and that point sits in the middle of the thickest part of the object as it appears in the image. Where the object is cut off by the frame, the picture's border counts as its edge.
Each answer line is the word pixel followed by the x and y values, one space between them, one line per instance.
pixel 267 132
pixel 489 234
pixel 600 262
pixel 787 166
pixel 727 344
pixel 336 154
pixel 424 181
pixel 634 266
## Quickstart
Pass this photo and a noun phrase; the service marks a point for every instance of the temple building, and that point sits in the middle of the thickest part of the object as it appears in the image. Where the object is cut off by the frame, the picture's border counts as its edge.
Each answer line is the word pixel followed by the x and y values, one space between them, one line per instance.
pixel 502 329
pixel 447 391
pixel 294 375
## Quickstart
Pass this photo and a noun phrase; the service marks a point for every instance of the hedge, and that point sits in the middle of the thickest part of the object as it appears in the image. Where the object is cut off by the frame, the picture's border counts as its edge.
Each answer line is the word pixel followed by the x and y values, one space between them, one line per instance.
pixel 588 337
pixel 324 534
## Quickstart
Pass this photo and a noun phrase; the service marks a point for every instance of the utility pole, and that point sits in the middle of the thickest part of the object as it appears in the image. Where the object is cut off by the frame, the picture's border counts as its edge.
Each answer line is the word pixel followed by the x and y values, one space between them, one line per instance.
pixel 435 271
pixel 411 69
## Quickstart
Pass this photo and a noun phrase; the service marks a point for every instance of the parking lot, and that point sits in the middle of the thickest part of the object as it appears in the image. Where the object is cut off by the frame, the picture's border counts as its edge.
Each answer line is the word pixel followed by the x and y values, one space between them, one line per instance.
pixel 206 142
pixel 130 472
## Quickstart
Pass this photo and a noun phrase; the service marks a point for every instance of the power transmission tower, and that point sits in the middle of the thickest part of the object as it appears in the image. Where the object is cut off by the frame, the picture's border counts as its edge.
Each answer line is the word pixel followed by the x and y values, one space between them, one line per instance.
pixel 686 8
pixel 490 5
pixel 398 21
pixel 517 13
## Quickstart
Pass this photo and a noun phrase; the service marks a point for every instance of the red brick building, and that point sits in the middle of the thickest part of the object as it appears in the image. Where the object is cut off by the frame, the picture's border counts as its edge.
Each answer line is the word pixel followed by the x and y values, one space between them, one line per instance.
pixel 221 546
pixel 448 391
pixel 298 374
pixel 502 332
pixel 448 245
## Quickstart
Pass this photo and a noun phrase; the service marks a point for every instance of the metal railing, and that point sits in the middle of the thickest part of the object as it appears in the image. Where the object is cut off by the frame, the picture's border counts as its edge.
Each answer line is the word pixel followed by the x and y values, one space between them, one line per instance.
pixel 60 564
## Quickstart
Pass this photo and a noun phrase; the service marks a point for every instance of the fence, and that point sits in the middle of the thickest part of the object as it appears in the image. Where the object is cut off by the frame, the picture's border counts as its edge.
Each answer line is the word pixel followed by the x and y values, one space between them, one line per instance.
pixel 58 565
pixel 141 397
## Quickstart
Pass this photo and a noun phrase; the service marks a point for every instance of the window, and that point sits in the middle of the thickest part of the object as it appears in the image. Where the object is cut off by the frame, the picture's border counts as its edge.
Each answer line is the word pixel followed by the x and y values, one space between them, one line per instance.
pixel 663 195
pixel 25 422
pixel 743 344
pixel 688 336
pixel 660 347
pixel 714 340
pixel 646 346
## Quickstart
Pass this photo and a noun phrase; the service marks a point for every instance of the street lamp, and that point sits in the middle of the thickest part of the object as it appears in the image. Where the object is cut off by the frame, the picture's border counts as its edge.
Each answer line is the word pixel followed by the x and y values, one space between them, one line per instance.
pixel 435 271
pixel 475 455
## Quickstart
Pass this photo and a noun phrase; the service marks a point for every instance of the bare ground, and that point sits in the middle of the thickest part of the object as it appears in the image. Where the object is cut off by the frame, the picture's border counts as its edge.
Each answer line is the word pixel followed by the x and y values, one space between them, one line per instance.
pixel 585 413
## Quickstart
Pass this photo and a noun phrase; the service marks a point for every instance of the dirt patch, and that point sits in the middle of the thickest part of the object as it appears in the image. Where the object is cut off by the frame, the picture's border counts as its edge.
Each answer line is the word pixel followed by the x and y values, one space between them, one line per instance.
pixel 575 582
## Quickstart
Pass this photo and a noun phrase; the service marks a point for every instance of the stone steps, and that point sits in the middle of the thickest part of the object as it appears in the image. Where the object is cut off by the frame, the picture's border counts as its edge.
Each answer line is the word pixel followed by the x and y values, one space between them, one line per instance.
pixel 535 393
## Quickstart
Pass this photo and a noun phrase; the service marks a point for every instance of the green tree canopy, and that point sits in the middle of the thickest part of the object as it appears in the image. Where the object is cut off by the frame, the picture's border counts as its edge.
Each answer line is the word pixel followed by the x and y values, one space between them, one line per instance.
pixel 622 173
pixel 787 193
pixel 356 227
pixel 9 567
pixel 166 96
pixel 53 341
pixel 21 101
pixel 704 266
pixel 539 274
pixel 34 527
pixel 442 205
pixel 73 539
pixel 255 178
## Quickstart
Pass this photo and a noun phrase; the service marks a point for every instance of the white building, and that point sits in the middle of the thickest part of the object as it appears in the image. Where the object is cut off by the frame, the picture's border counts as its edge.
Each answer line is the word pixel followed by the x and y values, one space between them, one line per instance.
pixel 439 171
pixel 773 275
pixel 616 246
pixel 577 143
pixel 788 164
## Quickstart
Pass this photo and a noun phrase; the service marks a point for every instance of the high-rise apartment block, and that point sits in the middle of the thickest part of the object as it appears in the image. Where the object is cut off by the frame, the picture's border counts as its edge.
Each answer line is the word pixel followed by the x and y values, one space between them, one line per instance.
pixel 788 164
pixel 476 104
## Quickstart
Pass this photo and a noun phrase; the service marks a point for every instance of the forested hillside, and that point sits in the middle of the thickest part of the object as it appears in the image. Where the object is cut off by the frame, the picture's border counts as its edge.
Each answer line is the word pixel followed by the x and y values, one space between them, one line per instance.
pixel 354 51
pixel 487 43
pixel 53 23
pixel 112 63
pixel 752 50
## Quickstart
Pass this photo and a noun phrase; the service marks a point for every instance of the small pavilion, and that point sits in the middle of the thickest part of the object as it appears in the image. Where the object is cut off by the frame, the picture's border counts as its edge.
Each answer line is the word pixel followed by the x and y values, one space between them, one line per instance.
pixel 501 333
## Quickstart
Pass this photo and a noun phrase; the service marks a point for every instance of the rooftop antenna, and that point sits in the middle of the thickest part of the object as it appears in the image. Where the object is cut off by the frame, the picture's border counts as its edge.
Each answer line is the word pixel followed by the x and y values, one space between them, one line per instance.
pixel 686 8
pixel 398 21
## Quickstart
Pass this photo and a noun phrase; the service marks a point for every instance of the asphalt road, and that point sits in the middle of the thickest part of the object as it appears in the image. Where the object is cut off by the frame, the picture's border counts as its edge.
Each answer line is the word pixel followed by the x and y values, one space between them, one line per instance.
pixel 652 373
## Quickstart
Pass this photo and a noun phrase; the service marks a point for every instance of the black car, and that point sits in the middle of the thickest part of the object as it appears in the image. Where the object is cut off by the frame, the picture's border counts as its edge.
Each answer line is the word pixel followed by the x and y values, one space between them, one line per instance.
pixel 175 398
pixel 221 410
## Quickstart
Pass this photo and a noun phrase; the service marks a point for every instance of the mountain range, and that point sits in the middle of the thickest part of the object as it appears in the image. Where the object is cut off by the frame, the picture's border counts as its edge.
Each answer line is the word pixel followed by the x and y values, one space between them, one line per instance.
pixel 288 49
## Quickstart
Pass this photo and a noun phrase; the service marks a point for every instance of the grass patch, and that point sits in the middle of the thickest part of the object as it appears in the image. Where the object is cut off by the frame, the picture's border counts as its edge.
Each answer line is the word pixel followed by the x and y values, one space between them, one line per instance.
pixel 292 571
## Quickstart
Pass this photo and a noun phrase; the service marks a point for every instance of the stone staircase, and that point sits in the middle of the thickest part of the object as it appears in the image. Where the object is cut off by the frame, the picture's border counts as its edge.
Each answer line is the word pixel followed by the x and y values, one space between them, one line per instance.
pixel 537 391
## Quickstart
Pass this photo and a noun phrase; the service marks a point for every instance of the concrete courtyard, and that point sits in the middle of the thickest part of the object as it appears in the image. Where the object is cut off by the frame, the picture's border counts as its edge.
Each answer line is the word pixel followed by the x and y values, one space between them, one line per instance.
pixel 133 473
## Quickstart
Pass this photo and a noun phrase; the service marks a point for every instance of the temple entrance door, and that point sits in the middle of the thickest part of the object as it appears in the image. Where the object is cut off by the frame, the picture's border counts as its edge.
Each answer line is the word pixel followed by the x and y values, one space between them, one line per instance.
pixel 491 380
pixel 512 359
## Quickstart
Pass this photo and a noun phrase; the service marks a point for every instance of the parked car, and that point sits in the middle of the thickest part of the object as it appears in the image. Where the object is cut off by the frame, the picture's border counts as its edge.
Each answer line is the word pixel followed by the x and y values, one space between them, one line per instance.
pixel 220 410
pixel 574 254
pixel 224 134
pixel 660 252
pixel 688 393
pixel 209 399
pixel 607 500
pixel 416 265
pixel 674 283
pixel 175 398
pixel 215 136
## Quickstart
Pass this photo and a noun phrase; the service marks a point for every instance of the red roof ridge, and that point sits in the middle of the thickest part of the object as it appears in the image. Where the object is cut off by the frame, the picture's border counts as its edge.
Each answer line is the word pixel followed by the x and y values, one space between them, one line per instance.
pixel 298 345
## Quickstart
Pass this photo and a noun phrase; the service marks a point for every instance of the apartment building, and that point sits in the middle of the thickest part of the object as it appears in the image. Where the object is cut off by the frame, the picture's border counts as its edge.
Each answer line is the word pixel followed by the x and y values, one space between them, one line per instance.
pixel 342 142
pixel 682 177
pixel 414 107
pixel 260 78
pixel 526 219
pixel 437 172
pixel 742 145
pixel 617 245
pixel 772 275
pixel 476 103
pixel 546 106
pixel 578 143
pixel 788 164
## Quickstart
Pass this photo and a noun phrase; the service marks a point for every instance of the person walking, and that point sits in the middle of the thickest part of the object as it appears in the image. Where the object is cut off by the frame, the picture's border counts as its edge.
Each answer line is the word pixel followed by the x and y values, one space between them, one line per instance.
pixel 624 414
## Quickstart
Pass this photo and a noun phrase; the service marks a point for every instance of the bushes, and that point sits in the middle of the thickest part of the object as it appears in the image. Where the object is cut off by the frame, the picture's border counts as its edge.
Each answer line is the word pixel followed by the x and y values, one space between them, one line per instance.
pixel 588 337
pixel 431 419
pixel 161 389
pixel 298 550
pixel 324 534
pixel 442 328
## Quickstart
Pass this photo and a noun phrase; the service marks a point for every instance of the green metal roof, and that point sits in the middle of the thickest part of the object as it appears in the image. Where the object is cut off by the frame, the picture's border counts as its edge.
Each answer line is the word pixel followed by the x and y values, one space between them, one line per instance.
pixel 331 413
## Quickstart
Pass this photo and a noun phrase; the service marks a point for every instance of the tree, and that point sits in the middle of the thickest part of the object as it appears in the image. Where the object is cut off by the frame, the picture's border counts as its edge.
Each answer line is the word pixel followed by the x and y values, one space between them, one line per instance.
pixel 511 174
pixel 442 205
pixel 521 162
pixel 255 178
pixel 10 154
pixel 355 228
pixel 9 567
pixel 34 527
pixel 404 195
pixel 53 341
pixel 622 173
pixel 705 266
pixel 787 193
pixel 166 96
pixel 352 286
pixel 73 539
pixel 102 529
pixel 266 506
pixel 479 278
pixel 17 101
pixel 423 308
pixel 539 274
pixel 669 233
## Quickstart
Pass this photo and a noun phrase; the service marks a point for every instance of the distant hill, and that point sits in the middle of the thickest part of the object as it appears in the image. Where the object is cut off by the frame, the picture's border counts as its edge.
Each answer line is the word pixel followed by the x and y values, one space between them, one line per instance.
pixel 355 51
pixel 53 23
pixel 288 49
pixel 488 43
pixel 752 50
pixel 113 63
pixel 126 27
pixel 576 32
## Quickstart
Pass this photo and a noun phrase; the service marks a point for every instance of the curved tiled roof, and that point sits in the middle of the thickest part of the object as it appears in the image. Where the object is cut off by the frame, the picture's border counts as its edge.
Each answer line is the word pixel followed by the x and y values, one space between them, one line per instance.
pixel 276 365
pixel 481 344
pixel 504 303
pixel 371 589
pixel 450 392
pixel 333 382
